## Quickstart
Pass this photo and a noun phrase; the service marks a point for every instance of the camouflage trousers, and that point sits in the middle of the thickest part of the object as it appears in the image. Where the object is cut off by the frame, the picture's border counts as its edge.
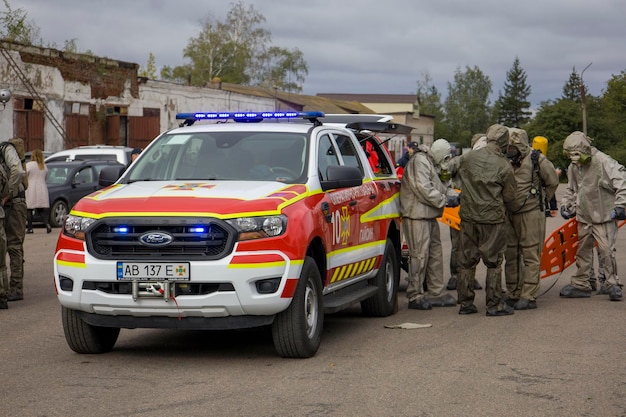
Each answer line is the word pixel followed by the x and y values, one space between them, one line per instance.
pixel 480 241
pixel 14 230
pixel 4 281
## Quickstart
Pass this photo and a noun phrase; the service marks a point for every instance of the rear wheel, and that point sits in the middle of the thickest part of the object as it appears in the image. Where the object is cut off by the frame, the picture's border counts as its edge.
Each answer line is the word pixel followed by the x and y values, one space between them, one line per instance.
pixel 85 338
pixel 297 331
pixel 383 303
pixel 58 212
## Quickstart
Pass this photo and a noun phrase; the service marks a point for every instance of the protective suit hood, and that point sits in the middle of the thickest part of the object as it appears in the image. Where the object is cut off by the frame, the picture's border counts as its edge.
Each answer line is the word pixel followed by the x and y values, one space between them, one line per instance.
pixel 498 134
pixel 577 141
pixel 476 138
pixel 441 152
pixel 519 139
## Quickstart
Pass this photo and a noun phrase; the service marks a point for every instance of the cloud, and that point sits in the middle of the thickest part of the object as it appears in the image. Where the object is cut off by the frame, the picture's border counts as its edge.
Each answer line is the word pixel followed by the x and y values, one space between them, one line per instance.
pixel 368 46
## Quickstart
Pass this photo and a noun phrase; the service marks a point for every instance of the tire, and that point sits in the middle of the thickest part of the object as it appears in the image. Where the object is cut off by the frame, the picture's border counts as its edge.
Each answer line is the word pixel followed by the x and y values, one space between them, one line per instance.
pixel 384 302
pixel 85 338
pixel 297 331
pixel 58 211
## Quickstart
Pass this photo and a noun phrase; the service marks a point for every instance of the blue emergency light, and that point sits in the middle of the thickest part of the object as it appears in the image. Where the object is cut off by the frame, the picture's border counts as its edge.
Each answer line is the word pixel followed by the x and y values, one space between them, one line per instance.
pixel 123 230
pixel 247 116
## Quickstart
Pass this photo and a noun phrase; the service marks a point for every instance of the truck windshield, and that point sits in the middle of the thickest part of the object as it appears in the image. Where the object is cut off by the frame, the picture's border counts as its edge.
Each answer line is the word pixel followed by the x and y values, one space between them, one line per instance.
pixel 239 156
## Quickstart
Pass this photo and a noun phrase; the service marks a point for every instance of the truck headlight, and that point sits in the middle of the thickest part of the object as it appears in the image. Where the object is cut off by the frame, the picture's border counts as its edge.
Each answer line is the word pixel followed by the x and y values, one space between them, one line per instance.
pixel 259 227
pixel 75 226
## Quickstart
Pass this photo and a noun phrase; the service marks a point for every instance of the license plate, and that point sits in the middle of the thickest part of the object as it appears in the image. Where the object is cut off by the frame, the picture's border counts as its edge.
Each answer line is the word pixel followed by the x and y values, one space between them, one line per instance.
pixel 163 271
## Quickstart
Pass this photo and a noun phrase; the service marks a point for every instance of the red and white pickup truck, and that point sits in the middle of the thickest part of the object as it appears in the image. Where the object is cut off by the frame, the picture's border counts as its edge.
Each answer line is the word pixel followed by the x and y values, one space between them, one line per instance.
pixel 235 225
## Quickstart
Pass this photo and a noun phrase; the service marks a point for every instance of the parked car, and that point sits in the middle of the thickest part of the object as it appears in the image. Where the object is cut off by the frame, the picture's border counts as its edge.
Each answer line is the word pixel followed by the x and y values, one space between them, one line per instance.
pixel 68 182
pixel 120 154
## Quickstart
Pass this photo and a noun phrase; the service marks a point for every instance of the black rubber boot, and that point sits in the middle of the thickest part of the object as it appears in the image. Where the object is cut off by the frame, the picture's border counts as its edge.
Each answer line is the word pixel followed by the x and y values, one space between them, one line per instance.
pixel 525 304
pixel 471 309
pixel 501 310
pixel 569 291
pixel 615 293
pixel 442 301
pixel 451 283
pixel 421 304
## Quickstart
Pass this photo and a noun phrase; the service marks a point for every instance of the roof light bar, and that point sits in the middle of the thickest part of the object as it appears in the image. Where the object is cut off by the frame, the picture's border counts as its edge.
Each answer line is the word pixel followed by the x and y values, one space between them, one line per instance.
pixel 248 116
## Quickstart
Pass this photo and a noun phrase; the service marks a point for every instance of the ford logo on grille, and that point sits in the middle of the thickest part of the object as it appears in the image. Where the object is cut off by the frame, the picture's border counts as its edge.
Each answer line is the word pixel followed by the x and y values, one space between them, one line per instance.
pixel 156 239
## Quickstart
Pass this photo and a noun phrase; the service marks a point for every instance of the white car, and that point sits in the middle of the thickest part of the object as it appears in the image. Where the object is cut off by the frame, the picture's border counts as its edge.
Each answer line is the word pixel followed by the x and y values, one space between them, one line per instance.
pixel 235 225
pixel 120 154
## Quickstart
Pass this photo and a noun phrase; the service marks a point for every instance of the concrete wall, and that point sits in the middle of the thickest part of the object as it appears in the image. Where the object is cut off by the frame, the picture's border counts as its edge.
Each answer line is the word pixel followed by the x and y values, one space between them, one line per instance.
pixel 61 78
pixel 173 98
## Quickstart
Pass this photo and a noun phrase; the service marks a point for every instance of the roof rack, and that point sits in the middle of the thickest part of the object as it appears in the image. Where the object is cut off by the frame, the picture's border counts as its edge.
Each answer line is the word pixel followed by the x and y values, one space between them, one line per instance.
pixel 247 117
pixel 381 127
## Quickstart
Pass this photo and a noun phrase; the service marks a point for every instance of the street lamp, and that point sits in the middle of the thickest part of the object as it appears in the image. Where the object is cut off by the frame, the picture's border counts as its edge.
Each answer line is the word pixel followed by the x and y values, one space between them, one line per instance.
pixel 5 96
pixel 582 97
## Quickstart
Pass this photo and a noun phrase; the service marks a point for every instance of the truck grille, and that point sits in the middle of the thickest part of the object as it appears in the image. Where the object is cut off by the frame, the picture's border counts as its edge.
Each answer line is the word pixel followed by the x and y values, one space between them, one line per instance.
pixel 120 238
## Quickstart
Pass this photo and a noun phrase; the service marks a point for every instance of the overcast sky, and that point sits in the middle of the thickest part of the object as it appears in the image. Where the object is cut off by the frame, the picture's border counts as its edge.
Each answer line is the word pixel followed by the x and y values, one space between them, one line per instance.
pixel 369 46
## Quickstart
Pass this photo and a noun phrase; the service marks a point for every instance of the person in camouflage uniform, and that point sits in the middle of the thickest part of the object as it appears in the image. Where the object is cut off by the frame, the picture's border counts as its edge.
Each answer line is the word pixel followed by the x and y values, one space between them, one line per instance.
pixel 537 182
pixel 488 190
pixel 12 173
pixel 15 229
pixel 478 141
pixel 596 196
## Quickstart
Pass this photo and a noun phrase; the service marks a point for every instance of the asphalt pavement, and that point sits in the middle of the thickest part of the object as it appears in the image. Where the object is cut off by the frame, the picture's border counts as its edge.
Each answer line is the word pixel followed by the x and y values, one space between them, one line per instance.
pixel 566 358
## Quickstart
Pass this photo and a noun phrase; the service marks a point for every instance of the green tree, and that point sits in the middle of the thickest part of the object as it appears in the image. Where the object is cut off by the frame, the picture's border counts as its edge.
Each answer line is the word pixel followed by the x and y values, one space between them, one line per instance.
pixel 180 74
pixel 571 89
pixel 226 49
pixel 607 120
pixel 150 70
pixel 71 45
pixel 555 120
pixel 513 108
pixel 281 69
pixel 15 26
pixel 467 107
pixel 429 100
pixel 238 50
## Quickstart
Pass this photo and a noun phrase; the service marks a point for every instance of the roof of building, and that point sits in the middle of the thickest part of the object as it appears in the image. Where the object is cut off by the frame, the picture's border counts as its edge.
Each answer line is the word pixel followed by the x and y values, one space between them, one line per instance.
pixel 299 101
pixel 372 98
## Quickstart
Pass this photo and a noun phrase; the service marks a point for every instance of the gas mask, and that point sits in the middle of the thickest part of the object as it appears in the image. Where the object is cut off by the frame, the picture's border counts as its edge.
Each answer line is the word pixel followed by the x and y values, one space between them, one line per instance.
pixel 578 158
pixel 444 173
pixel 514 156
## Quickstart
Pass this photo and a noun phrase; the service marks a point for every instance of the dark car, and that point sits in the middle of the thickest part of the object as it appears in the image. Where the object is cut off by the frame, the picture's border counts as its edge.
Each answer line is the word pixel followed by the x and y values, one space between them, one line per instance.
pixel 70 181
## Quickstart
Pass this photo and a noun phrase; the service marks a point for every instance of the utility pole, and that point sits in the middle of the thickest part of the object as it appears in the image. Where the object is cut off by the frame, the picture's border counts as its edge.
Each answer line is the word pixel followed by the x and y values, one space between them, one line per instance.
pixel 582 97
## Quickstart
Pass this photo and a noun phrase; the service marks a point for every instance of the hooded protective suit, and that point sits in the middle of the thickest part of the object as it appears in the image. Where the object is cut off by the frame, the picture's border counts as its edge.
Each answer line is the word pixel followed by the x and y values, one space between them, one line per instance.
pixel 525 228
pixel 533 188
pixel 422 194
pixel 422 199
pixel 596 185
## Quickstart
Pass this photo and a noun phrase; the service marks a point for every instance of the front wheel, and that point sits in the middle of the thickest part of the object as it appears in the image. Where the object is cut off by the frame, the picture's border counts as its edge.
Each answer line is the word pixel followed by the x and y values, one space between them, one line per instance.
pixel 85 338
pixel 383 303
pixel 297 331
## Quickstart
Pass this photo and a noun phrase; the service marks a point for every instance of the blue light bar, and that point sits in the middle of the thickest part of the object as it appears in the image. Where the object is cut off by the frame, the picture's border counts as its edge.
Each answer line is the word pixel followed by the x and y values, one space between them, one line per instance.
pixel 248 116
